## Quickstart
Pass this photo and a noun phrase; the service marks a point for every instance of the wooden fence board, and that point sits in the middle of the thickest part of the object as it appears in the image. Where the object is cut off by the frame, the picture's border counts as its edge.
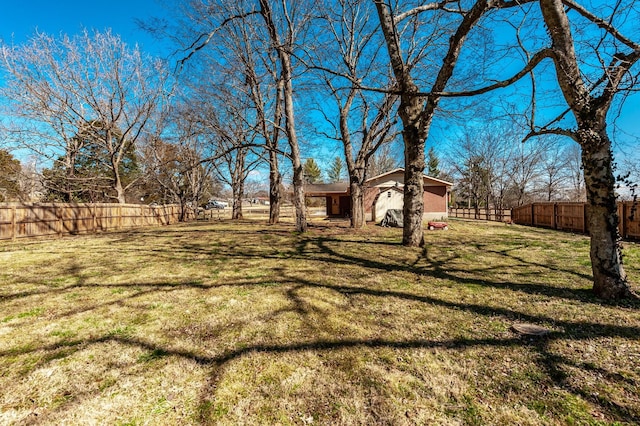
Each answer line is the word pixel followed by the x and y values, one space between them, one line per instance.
pixel 543 215
pixel 481 214
pixel 26 220
pixel 572 217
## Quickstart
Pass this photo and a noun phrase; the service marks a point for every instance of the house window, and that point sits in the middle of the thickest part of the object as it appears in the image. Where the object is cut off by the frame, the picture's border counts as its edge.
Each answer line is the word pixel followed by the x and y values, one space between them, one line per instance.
pixel 389 194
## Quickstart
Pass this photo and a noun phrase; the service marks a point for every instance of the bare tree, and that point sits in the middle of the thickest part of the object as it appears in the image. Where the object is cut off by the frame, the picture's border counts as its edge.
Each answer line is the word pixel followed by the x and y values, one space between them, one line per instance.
pixel 91 84
pixel 266 91
pixel 279 24
pixel 385 159
pixel 590 71
pixel 235 159
pixel 589 106
pixel 260 83
pixel 364 121
pixel 554 170
pixel 475 159
pixel 282 34
pixel 417 109
pixel 174 173
pixel 590 82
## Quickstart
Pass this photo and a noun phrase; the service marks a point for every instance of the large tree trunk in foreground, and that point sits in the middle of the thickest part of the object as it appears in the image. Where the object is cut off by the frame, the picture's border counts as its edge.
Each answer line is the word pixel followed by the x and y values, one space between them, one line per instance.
pixel 590 111
pixel 416 112
pixel 413 209
pixel 609 277
pixel 414 134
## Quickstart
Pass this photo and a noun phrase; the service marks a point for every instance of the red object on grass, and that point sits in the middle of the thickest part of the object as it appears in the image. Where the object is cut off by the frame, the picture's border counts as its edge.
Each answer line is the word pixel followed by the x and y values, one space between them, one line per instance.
pixel 438 225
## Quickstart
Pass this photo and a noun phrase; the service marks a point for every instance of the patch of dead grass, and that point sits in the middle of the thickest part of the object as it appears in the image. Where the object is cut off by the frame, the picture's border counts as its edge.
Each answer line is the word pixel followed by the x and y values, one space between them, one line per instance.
pixel 242 323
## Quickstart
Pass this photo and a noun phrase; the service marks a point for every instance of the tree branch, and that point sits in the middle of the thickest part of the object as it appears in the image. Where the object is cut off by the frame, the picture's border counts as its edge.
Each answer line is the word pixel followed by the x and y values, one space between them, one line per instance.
pixel 601 23
pixel 535 60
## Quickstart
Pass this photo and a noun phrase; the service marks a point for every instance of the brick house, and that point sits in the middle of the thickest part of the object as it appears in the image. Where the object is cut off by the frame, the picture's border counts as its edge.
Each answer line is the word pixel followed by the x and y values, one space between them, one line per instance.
pixel 383 192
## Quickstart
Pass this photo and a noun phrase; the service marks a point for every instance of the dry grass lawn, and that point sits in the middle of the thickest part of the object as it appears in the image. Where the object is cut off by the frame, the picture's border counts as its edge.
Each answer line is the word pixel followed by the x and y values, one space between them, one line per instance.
pixel 242 323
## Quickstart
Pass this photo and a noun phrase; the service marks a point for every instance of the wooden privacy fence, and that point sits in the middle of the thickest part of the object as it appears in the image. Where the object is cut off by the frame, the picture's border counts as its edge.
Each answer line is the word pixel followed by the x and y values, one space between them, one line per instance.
pixel 498 215
pixel 28 220
pixel 573 217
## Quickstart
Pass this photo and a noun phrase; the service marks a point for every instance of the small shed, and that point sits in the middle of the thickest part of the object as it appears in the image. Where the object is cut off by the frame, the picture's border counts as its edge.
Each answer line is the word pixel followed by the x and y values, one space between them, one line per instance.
pixel 391 198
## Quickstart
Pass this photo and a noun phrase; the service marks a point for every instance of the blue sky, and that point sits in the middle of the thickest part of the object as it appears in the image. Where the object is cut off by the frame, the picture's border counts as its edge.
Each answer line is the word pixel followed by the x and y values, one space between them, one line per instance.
pixel 19 19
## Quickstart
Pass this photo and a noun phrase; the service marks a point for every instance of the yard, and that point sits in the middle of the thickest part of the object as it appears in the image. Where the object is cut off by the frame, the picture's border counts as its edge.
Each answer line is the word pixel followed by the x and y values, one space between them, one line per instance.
pixel 217 322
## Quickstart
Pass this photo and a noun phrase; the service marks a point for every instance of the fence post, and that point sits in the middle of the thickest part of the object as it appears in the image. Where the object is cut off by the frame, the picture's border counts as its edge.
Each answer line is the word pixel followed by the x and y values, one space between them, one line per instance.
pixel 14 224
pixel 94 221
pixel 533 214
pixel 60 222
pixel 585 229
pixel 554 216
pixel 623 220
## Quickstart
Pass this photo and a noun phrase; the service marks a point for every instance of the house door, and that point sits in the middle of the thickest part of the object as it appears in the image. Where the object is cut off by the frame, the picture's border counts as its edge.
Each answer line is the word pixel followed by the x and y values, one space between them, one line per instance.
pixel 345 206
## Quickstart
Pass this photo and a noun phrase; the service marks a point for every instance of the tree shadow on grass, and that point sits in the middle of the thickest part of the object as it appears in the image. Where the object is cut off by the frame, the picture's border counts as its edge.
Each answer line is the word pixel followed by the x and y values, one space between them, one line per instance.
pixel 291 286
pixel 443 268
pixel 550 362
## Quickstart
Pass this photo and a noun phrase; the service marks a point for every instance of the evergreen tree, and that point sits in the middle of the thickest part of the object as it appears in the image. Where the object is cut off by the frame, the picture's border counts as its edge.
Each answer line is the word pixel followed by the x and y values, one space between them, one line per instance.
pixel 312 173
pixel 335 172
pixel 432 163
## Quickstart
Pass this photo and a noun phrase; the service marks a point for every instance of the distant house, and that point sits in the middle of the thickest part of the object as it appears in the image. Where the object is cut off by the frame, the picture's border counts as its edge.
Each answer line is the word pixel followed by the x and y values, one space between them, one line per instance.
pixel 383 192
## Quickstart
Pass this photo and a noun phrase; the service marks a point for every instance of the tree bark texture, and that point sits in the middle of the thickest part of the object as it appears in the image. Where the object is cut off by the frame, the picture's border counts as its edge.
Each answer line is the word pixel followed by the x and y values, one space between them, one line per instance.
pixel 237 183
pixel 283 50
pixel 410 111
pixel 416 111
pixel 357 204
pixel 414 142
pixel 275 178
pixel 355 167
pixel 609 277
pixel 275 181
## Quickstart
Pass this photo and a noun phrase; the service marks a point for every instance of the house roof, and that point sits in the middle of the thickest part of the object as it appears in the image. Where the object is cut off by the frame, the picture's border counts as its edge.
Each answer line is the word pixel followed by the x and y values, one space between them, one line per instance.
pixel 342 188
pixel 401 170
pixel 326 188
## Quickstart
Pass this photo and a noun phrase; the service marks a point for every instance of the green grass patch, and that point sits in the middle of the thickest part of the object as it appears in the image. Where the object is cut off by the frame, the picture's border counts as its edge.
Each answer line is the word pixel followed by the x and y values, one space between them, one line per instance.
pixel 230 323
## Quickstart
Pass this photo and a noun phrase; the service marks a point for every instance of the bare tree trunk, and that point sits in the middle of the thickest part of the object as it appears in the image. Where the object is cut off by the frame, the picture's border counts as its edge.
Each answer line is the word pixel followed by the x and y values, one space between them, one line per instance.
pixel 609 277
pixel 275 178
pixel 275 181
pixel 70 176
pixel 238 190
pixel 298 174
pixel 117 184
pixel 416 112
pixel 412 232
pixel 414 135
pixel 120 192
pixel 284 54
pixel 237 183
pixel 357 204
pixel 298 196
